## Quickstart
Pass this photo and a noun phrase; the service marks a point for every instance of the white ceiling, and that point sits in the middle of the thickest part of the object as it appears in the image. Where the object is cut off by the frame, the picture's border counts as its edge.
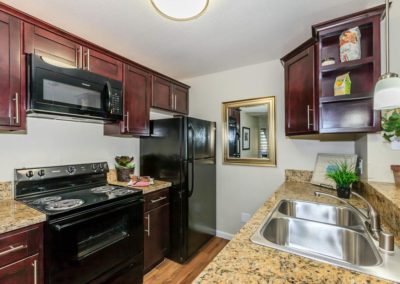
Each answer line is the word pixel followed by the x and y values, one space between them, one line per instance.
pixel 230 34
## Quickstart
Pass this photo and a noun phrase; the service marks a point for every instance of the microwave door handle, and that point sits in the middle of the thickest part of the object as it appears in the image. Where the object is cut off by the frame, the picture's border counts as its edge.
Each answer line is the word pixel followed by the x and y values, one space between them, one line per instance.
pixel 109 97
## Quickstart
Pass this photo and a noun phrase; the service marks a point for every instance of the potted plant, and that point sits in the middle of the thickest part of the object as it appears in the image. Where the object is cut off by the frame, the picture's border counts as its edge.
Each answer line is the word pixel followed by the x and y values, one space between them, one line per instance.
pixel 391 129
pixel 343 174
pixel 125 167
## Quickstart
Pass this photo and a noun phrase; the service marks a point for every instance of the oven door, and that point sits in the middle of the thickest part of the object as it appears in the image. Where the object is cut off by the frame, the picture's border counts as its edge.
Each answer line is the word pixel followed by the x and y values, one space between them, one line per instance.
pixel 95 245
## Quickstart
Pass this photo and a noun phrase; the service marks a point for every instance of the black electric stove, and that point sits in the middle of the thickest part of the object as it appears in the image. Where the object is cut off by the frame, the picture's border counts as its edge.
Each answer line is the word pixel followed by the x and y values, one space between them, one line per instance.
pixel 94 230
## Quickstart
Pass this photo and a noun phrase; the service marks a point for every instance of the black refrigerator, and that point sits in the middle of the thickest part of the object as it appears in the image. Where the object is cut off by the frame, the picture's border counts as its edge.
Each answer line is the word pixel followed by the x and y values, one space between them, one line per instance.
pixel 181 150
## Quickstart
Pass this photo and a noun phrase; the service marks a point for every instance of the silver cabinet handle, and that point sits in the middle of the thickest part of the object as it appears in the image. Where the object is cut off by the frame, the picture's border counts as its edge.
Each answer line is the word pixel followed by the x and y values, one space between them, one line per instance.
pixel 35 272
pixel 12 249
pixel 308 117
pixel 175 101
pixel 127 121
pixel 158 200
pixel 172 101
pixel 148 224
pixel 87 54
pixel 16 100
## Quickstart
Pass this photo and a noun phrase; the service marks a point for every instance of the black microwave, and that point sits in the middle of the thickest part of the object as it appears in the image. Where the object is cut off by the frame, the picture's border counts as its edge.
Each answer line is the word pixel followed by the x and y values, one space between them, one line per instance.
pixel 70 92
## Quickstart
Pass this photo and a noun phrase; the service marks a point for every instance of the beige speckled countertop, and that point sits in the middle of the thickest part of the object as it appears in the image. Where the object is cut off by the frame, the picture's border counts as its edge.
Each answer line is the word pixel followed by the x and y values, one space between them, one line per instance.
pixel 15 215
pixel 158 184
pixel 241 261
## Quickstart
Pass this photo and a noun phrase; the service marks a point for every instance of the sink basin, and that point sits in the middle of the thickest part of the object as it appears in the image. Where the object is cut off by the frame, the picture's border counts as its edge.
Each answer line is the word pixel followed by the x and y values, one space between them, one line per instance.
pixel 333 234
pixel 329 241
pixel 330 214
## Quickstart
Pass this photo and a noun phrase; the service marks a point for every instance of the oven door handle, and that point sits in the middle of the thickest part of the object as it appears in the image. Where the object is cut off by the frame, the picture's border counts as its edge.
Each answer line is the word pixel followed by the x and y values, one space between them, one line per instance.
pixel 60 227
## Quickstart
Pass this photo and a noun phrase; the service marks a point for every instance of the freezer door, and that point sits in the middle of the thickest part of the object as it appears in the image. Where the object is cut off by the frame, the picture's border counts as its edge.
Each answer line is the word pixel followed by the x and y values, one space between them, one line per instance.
pixel 202 134
pixel 201 204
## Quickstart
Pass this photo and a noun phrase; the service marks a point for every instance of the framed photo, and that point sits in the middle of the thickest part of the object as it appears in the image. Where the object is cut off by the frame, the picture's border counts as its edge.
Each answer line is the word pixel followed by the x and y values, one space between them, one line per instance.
pixel 245 138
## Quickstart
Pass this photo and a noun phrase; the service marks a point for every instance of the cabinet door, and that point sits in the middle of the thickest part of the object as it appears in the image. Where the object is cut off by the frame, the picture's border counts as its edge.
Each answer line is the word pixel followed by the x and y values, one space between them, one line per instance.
pixel 27 271
pixel 102 64
pixel 162 93
pixel 181 99
pixel 137 88
pixel 300 106
pixel 156 236
pixel 12 107
pixel 56 49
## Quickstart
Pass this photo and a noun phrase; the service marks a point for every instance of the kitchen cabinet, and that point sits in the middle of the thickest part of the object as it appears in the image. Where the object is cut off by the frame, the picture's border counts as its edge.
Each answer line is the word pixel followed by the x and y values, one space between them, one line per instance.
pixel 137 92
pixel 156 228
pixel 102 64
pixel 301 105
pixel 21 255
pixel 169 96
pixel 65 52
pixel 12 94
pixel 55 48
pixel 310 104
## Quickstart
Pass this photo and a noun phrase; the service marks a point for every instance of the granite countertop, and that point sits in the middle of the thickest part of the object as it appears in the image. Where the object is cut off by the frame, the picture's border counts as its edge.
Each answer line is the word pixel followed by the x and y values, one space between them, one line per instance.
pixel 158 184
pixel 15 215
pixel 242 261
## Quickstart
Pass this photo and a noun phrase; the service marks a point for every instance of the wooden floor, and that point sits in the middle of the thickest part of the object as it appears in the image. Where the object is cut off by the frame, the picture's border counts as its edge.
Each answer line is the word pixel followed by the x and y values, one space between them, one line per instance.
pixel 174 273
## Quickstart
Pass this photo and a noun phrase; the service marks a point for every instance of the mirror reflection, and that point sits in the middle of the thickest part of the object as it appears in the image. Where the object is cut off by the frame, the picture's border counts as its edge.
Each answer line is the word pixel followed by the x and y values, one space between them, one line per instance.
pixel 249 131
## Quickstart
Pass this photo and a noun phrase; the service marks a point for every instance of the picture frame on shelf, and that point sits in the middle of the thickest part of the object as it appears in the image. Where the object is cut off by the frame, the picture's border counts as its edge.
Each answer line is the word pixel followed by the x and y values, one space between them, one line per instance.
pixel 245 138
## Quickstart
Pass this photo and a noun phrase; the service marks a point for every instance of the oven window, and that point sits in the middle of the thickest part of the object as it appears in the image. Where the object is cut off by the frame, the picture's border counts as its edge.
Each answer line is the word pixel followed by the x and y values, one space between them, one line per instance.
pixel 97 237
pixel 68 94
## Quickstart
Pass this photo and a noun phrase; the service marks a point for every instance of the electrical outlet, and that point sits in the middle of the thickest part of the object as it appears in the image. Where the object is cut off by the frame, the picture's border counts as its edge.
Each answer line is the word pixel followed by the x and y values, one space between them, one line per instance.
pixel 245 217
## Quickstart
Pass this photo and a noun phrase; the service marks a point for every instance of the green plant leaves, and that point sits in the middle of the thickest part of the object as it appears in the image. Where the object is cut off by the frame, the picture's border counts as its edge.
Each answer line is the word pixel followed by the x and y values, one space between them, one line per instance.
pixel 342 173
pixel 391 126
pixel 124 162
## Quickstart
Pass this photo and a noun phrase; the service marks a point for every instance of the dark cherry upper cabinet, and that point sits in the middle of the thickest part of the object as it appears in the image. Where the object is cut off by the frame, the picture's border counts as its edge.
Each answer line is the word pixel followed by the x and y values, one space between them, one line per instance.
pixel 354 112
pixel 52 46
pixel 169 96
pixel 102 64
pixel 12 90
pixel 300 96
pixel 137 92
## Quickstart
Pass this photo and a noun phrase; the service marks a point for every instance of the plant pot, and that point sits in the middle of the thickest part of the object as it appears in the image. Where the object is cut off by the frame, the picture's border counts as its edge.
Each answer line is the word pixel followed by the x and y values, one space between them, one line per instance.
pixel 123 174
pixel 396 174
pixel 343 191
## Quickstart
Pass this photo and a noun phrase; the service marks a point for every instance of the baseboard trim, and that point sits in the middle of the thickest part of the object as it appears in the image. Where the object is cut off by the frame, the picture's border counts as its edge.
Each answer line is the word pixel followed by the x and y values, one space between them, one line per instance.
pixel 224 235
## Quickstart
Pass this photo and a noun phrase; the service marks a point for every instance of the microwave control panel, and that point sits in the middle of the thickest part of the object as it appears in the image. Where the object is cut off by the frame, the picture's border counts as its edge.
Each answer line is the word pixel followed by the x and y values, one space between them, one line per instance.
pixel 116 102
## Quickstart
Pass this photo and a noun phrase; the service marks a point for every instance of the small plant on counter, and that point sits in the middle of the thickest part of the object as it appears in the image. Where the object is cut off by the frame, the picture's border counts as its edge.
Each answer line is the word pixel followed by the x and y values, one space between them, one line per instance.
pixel 125 167
pixel 343 174
pixel 391 128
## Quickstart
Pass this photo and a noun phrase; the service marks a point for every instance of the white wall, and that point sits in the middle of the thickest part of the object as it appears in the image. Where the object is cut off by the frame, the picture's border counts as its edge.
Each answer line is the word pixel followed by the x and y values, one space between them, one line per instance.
pixel 380 156
pixel 54 142
pixel 245 188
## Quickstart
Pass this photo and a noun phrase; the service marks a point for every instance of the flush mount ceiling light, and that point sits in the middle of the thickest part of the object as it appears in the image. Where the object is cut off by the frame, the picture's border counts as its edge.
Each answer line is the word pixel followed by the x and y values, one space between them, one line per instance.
pixel 180 10
pixel 387 89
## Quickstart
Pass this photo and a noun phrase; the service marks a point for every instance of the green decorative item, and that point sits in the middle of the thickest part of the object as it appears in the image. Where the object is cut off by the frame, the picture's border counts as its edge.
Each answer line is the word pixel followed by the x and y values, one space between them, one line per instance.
pixel 125 167
pixel 343 174
pixel 391 129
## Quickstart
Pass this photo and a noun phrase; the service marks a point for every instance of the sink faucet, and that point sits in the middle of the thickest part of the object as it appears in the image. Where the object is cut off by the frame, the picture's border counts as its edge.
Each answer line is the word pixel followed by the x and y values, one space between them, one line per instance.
pixel 372 216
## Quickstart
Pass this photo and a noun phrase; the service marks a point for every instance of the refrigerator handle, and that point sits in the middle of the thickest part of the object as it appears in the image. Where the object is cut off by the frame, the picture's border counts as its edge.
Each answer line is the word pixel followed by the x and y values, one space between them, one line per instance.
pixel 192 152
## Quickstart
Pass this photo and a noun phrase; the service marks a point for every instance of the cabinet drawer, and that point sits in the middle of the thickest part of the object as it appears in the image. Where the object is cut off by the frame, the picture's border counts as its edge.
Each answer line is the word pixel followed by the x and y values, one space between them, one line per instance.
pixel 19 244
pixel 156 199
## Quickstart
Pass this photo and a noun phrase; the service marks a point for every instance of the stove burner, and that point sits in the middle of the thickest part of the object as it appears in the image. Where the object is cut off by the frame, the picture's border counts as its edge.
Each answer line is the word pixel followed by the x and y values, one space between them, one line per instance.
pixel 46 200
pixel 64 204
pixel 120 192
pixel 103 189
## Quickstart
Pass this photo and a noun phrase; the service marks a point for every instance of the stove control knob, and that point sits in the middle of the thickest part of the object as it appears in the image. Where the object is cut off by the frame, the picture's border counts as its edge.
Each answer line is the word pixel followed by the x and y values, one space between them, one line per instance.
pixel 41 173
pixel 95 167
pixel 29 174
pixel 101 166
pixel 71 170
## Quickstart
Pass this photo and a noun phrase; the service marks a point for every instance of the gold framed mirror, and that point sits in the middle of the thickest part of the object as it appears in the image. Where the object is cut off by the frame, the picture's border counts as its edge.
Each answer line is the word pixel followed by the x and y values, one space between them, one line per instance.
pixel 249 132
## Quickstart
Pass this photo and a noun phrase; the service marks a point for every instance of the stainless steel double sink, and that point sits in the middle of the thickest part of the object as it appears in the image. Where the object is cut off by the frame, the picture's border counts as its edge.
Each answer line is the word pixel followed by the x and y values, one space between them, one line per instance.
pixel 334 234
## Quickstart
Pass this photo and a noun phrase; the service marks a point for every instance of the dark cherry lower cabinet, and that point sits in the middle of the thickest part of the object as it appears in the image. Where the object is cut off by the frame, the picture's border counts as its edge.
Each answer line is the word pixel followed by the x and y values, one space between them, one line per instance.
pixel 156 228
pixel 300 96
pixel 137 92
pixel 169 96
pixel 12 94
pixel 21 256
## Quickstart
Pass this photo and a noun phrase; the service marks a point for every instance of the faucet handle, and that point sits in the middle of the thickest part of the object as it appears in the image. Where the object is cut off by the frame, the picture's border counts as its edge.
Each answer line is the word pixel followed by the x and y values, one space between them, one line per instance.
pixel 386 241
